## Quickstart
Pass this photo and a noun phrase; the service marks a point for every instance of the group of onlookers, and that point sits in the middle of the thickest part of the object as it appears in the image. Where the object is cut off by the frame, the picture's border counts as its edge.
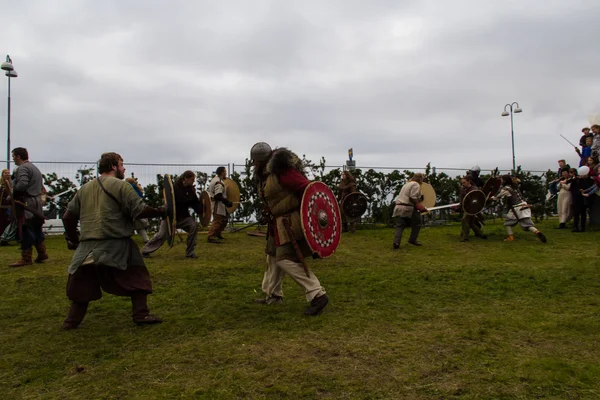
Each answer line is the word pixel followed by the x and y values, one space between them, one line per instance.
pixel 577 187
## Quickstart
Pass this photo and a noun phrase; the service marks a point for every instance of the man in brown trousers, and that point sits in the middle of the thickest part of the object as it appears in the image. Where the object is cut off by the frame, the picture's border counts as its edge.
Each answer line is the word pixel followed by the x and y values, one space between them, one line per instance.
pixel 106 258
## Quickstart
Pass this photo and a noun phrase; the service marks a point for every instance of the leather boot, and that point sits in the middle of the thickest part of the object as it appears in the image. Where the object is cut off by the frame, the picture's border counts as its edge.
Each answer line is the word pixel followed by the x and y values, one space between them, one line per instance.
pixel 25 259
pixel 139 310
pixel 317 305
pixel 76 314
pixel 42 254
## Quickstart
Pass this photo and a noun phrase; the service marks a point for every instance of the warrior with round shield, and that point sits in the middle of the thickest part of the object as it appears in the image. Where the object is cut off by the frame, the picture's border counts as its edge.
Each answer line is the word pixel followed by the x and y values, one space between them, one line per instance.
pixel 519 212
pixel 473 175
pixel 281 182
pixel 346 187
pixel 185 198
pixel 408 210
pixel 470 221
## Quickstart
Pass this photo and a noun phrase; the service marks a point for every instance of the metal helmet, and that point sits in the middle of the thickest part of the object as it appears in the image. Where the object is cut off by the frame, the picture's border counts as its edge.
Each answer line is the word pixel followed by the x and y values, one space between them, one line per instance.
pixel 261 152
pixel 475 168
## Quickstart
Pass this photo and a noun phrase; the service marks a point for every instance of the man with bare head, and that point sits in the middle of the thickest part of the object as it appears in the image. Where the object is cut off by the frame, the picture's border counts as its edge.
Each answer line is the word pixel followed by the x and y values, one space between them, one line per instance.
pixel 106 258
pixel 27 190
pixel 408 210
pixel 185 198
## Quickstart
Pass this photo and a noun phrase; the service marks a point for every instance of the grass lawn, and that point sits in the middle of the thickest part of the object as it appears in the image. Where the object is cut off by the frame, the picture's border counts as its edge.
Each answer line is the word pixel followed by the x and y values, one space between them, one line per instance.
pixel 478 320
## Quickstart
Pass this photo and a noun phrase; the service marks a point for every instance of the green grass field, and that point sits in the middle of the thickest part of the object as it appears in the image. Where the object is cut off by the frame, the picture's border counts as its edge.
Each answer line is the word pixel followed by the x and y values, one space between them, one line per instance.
pixel 475 320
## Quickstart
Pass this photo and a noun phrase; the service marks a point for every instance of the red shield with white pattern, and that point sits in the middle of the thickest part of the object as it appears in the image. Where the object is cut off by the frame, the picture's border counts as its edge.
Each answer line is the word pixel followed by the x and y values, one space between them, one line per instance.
pixel 321 219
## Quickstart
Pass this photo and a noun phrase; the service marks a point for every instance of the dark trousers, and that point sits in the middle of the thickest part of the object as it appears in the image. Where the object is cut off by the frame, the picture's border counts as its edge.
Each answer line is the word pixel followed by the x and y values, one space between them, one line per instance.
pixel 414 222
pixel 579 215
pixel 88 282
pixel 32 235
pixel 470 222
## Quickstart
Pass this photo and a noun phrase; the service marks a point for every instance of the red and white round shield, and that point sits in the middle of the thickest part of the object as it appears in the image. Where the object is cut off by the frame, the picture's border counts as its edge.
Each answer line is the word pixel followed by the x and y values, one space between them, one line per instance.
pixel 321 219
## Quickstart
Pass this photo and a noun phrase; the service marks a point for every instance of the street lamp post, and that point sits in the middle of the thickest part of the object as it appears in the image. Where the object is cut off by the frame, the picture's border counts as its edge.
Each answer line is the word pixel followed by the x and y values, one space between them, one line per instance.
pixel 506 113
pixel 10 73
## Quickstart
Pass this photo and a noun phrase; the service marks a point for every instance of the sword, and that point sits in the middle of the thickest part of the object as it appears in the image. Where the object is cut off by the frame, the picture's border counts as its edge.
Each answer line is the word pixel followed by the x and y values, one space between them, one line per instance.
pixel 567 140
pixel 441 207
pixel 65 192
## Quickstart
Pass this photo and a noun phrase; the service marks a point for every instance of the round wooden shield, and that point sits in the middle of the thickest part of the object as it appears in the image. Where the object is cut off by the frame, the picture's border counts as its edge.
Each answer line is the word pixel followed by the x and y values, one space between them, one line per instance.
pixel 429 195
pixel 232 193
pixel 169 199
pixel 491 186
pixel 354 205
pixel 206 209
pixel 474 202
pixel 321 219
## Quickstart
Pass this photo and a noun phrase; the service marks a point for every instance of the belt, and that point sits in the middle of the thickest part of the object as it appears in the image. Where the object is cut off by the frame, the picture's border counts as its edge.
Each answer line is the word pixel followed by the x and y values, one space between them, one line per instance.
pixel 404 204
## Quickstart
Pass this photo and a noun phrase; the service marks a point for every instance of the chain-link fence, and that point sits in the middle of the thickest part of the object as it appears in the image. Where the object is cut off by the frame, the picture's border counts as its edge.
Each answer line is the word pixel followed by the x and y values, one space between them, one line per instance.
pixel 379 183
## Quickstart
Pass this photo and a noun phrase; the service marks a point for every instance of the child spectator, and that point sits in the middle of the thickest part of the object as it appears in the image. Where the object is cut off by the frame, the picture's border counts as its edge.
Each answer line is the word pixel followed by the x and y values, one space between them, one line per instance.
pixel 586 150
pixel 592 189
pixel 586 134
pixel 580 203
pixel 592 164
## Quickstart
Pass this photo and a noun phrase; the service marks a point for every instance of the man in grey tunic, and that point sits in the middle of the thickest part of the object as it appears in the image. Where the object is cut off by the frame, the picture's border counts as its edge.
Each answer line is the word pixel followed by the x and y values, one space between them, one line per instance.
pixel 27 190
pixel 105 255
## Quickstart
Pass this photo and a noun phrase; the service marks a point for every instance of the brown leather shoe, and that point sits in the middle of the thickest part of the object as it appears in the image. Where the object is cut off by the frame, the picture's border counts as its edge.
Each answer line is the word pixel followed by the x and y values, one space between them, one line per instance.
pixel 42 254
pixel 25 259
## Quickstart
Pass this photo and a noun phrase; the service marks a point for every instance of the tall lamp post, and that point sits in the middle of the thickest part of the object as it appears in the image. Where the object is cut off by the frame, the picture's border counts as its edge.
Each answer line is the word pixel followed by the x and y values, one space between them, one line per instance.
pixel 513 108
pixel 10 73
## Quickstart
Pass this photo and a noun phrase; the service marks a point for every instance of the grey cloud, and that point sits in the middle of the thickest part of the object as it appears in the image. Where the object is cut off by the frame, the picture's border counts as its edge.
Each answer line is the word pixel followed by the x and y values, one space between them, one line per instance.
pixel 404 83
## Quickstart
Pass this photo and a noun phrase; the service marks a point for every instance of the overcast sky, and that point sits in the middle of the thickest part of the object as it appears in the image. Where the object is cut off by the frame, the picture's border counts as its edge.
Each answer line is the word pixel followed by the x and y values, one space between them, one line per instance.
pixel 402 82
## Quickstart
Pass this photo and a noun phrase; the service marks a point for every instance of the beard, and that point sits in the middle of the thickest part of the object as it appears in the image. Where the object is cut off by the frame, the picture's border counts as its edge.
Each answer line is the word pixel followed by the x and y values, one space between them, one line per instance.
pixel 120 174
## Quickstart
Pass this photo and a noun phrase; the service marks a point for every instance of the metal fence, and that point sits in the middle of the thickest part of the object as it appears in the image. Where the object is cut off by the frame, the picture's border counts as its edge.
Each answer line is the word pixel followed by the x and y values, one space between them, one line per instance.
pixel 146 172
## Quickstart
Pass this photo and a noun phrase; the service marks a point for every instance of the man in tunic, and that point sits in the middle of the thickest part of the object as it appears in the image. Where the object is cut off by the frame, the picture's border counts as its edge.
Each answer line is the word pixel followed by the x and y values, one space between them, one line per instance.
pixel 519 212
pixel 469 222
pixel 185 198
pixel 346 186
pixel 218 195
pixel 106 257
pixel 281 181
pixel 27 189
pixel 408 210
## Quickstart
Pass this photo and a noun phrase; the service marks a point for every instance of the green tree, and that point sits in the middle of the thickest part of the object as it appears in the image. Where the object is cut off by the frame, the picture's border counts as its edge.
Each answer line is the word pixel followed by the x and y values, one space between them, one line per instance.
pixel 55 185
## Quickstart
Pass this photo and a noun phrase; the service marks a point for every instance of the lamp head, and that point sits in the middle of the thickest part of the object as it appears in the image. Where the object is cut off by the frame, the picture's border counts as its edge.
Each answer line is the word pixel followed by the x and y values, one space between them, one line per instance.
pixel 7 66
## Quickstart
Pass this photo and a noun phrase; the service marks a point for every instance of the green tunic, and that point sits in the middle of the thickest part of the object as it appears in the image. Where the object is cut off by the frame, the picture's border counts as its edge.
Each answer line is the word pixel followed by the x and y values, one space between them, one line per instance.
pixel 106 226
